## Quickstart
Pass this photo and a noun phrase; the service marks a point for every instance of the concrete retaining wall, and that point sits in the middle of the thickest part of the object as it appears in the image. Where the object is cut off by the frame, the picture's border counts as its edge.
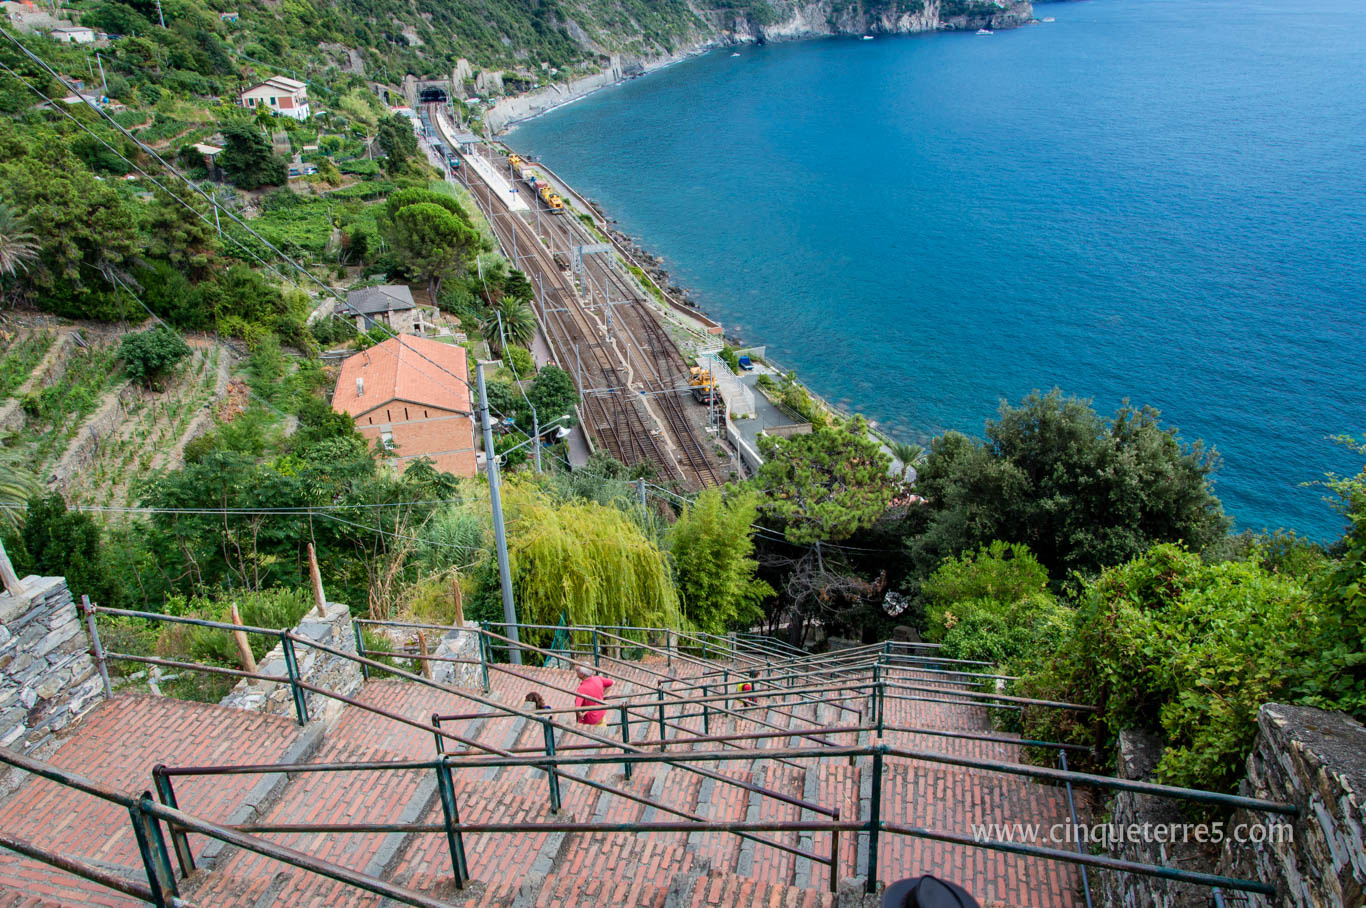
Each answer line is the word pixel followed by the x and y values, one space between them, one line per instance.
pixel 47 676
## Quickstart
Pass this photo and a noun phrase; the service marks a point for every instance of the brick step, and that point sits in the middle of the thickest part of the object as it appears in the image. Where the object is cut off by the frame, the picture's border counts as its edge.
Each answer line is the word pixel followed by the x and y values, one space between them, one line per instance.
pixel 118 743
pixel 243 878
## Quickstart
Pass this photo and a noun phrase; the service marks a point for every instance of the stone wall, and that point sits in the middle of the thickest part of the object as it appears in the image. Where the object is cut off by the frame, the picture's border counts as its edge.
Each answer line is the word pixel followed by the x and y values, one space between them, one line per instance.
pixel 458 644
pixel 47 676
pixel 1308 757
pixel 1138 755
pixel 1316 760
pixel 332 673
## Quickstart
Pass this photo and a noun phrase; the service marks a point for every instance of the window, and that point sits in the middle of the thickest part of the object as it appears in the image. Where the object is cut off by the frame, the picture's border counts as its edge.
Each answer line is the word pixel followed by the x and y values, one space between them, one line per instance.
pixel 386 438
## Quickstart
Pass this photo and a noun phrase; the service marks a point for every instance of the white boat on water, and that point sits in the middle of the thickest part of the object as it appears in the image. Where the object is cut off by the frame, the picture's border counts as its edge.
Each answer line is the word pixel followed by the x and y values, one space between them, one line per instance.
pixel 1049 19
pixel 985 31
pixel 867 37
pixel 735 55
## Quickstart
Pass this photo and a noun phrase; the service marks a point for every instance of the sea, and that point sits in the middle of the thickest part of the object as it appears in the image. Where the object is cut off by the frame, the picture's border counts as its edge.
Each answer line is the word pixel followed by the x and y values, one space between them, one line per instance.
pixel 1158 201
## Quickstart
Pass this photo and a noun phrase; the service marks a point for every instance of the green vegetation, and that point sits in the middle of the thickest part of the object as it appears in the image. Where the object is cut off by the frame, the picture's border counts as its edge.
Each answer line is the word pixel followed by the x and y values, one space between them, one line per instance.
pixel 150 355
pixel 19 360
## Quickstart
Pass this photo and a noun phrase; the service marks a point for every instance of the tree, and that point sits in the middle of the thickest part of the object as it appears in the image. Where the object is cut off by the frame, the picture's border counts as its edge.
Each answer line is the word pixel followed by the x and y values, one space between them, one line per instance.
pixel 553 394
pixel 432 241
pixel 586 561
pixel 397 139
pixel 909 456
pixel 247 160
pixel 712 547
pixel 17 484
pixel 150 355
pixel 1081 492
pixel 826 485
pixel 518 322
pixel 58 542
pixel 18 245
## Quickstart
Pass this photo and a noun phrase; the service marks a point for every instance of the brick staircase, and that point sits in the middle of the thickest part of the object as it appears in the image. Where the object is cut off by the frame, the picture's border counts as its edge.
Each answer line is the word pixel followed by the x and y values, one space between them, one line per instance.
pixel 124 738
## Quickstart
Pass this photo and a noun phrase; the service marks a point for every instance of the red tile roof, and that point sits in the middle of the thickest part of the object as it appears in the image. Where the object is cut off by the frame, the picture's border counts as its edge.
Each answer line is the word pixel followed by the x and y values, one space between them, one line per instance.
pixel 409 368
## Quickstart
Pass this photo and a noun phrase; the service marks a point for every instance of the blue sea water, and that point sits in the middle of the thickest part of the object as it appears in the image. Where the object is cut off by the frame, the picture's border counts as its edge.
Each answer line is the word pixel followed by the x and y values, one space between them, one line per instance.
pixel 1160 200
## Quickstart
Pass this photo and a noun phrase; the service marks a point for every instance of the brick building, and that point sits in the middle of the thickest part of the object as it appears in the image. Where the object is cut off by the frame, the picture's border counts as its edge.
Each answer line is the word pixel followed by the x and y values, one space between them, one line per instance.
pixel 405 392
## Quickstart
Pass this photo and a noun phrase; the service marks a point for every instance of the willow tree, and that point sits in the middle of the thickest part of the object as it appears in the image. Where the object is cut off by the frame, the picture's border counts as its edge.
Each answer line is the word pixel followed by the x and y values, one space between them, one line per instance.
pixel 589 563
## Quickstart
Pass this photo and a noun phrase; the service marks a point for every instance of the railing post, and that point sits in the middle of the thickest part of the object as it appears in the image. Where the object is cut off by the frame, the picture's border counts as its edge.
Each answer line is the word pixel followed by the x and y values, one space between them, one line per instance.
pixel 179 840
pixel 595 647
pixel 835 854
pixel 706 713
pixel 292 668
pixel 450 812
pixel 704 646
pixel 668 652
pixel 96 650
pixel 484 660
pixel 874 821
pixel 552 773
pixel 663 729
pixel 725 679
pixel 155 861
pixel 1072 812
pixel 360 651
pixel 436 733
pixel 626 738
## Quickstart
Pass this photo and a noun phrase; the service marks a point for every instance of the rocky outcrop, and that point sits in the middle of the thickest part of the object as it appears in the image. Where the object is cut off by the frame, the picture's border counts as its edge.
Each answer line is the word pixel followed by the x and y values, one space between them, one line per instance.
pixel 789 20
pixel 821 18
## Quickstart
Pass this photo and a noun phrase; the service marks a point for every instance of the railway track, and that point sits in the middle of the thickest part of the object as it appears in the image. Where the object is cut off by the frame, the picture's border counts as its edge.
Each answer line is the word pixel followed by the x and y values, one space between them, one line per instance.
pixel 600 345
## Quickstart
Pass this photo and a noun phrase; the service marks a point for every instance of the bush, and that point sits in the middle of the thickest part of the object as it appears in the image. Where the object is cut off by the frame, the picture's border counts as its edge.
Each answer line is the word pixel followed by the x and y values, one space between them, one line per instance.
pixel 519 360
pixel 1169 644
pixel 149 356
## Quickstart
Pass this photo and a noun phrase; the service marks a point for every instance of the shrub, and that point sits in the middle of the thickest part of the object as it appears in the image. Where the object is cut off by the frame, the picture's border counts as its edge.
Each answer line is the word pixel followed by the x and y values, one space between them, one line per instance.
pixel 149 356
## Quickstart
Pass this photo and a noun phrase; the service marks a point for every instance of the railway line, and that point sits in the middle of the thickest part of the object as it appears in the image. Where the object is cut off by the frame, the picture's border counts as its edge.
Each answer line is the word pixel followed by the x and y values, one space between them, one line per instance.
pixel 630 390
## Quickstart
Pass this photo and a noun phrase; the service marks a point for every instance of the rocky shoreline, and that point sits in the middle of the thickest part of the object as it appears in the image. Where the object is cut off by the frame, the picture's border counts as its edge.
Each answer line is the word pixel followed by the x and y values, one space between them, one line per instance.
pixel 794 20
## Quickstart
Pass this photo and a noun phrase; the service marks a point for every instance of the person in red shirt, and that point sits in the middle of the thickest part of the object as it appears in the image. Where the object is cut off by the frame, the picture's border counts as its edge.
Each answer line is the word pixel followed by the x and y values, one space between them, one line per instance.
pixel 592 691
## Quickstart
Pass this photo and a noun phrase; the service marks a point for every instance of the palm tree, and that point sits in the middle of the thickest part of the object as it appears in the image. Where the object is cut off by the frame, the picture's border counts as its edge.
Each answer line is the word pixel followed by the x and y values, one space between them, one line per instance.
pixel 910 456
pixel 518 322
pixel 18 245
pixel 17 486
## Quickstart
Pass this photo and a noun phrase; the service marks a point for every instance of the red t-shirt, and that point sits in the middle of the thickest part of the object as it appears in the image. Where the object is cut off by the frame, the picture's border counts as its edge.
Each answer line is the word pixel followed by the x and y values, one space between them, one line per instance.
pixel 592 692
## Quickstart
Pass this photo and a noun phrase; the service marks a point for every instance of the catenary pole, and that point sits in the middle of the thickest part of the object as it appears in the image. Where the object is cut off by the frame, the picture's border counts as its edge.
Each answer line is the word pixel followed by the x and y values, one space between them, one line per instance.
pixel 499 532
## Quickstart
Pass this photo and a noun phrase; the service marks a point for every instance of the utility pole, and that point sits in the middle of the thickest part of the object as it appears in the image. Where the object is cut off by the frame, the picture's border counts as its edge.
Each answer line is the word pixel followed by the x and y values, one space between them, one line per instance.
pixel 536 428
pixel 103 80
pixel 499 532
pixel 159 15
pixel 640 489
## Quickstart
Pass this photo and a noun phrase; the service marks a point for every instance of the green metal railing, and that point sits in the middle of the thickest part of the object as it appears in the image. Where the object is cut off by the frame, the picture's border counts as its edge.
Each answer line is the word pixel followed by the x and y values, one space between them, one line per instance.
pixel 147 818
pixel 869 675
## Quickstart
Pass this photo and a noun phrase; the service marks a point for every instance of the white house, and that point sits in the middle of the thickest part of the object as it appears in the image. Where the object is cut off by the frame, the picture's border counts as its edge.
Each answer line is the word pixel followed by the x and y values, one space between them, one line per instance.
pixel 284 96
pixel 73 34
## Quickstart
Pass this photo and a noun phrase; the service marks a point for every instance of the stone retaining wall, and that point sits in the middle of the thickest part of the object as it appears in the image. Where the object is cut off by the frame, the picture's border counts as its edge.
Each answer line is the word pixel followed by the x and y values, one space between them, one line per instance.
pixel 332 673
pixel 459 644
pixel 1316 760
pixel 1311 758
pixel 47 676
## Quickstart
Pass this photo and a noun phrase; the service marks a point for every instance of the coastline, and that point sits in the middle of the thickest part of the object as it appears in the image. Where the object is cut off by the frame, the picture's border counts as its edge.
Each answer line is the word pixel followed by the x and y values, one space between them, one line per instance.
pixel 807 20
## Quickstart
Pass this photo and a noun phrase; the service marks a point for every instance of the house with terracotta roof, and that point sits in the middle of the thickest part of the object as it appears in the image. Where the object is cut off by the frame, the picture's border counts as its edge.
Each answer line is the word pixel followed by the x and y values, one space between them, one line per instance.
pixel 409 394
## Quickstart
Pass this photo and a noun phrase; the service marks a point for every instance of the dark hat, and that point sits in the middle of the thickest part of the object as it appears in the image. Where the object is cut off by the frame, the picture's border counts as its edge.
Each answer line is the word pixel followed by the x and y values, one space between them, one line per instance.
pixel 927 892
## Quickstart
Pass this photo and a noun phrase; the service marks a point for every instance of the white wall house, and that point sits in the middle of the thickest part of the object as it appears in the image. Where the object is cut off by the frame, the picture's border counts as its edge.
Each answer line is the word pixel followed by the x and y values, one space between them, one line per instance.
pixel 73 34
pixel 284 96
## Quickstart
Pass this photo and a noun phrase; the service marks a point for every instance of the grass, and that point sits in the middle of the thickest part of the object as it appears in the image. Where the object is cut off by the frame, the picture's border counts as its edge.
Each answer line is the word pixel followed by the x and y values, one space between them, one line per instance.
pixel 19 361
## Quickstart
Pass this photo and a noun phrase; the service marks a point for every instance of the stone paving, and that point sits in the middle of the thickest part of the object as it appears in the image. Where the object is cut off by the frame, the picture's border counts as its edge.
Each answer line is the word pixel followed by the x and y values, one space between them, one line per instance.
pixel 122 739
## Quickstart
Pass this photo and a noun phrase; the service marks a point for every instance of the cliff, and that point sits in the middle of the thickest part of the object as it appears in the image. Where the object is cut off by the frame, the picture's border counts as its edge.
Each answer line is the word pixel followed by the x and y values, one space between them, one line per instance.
pixel 777 20
pixel 781 20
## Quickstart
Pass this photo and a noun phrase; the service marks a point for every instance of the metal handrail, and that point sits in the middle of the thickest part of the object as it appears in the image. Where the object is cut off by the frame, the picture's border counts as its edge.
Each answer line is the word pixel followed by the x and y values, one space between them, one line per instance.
pixel 147 816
